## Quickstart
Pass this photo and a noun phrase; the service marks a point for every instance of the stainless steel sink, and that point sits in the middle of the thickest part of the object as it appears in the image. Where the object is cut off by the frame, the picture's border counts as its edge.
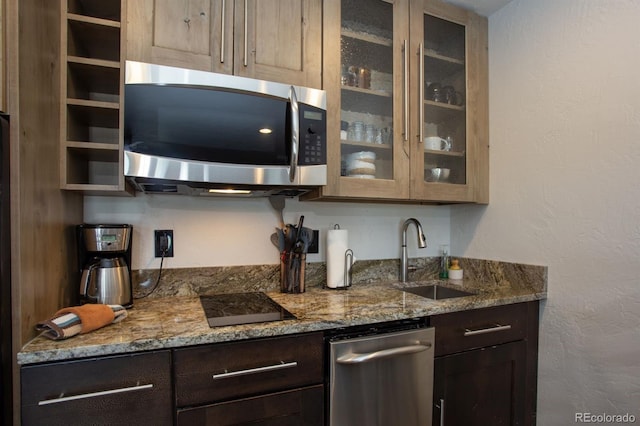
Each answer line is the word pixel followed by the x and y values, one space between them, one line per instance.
pixel 437 292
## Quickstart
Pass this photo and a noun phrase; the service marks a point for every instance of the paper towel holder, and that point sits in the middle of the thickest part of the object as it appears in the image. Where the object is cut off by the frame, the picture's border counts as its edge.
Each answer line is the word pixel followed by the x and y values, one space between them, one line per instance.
pixel 348 264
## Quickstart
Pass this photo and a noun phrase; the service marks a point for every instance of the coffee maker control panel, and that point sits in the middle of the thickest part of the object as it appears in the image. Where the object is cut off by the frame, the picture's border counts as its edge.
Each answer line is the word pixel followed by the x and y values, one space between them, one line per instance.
pixel 107 238
pixel 109 242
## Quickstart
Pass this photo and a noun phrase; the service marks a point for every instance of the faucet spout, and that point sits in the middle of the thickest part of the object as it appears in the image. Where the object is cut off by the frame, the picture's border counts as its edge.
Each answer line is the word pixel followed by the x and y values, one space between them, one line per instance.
pixel 422 243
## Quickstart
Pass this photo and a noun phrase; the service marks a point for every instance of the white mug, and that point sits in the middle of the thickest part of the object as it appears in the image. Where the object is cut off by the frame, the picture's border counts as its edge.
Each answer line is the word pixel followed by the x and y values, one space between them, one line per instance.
pixel 437 143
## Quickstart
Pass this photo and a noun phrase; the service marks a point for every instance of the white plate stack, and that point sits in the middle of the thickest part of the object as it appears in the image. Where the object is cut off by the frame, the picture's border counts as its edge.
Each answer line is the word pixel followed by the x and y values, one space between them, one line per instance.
pixel 361 165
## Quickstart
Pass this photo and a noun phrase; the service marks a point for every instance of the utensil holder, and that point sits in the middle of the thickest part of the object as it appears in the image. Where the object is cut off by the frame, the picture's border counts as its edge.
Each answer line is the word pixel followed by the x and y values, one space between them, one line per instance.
pixel 292 272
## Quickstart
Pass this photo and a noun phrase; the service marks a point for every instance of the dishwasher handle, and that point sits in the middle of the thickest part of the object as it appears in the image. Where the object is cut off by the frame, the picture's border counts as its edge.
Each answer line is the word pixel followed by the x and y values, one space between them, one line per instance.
pixel 356 358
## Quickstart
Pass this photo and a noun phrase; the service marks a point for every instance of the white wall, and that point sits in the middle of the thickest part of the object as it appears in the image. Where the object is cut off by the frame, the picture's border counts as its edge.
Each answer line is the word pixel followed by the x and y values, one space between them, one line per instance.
pixel 565 191
pixel 225 232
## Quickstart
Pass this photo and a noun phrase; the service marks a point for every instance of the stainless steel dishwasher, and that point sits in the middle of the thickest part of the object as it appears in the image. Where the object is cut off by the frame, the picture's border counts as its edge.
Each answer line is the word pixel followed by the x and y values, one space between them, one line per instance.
pixel 382 376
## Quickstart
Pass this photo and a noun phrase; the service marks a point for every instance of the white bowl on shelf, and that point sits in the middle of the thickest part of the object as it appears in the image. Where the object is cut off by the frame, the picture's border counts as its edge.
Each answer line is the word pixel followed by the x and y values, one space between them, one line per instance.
pixel 437 174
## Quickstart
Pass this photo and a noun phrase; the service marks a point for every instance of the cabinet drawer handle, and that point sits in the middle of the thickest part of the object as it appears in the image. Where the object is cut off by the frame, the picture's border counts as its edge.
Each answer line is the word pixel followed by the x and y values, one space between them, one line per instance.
pixel 244 59
pixel 441 407
pixel 95 394
pixel 222 30
pixel 421 118
pixel 493 329
pixel 280 366
pixel 405 60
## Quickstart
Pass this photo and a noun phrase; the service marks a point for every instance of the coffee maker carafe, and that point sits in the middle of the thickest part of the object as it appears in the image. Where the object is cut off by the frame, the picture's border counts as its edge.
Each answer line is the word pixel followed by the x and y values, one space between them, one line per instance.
pixel 104 253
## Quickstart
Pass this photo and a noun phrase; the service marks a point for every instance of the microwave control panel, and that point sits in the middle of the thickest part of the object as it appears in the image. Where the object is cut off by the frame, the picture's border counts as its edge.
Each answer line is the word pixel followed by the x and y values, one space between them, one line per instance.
pixel 313 136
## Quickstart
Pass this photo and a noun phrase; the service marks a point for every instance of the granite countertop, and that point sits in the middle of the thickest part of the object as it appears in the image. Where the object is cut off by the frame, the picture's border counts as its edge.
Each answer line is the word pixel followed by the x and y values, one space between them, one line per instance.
pixel 177 321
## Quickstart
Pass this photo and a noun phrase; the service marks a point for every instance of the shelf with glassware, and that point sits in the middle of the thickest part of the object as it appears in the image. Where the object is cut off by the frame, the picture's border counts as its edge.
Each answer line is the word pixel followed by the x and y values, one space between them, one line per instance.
pixel 444 103
pixel 366 145
pixel 366 159
pixel 366 106
pixel 444 143
pixel 91 89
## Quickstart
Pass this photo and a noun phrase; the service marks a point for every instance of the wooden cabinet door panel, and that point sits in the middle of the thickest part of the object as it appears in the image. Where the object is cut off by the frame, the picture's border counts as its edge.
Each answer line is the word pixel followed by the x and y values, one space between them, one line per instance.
pixel 126 389
pixel 297 407
pixel 183 25
pixel 202 373
pixel 195 34
pixel 481 387
pixel 459 331
pixel 279 40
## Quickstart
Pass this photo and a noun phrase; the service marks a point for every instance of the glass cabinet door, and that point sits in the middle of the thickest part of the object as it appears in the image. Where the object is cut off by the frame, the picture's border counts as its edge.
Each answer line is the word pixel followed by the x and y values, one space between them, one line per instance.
pixel 366 114
pixel 370 98
pixel 443 101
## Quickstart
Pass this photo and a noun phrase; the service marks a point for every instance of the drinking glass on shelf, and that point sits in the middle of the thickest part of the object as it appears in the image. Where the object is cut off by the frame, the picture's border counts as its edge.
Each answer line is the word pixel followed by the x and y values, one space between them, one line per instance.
pixel 370 133
pixel 379 136
pixel 358 130
pixel 364 78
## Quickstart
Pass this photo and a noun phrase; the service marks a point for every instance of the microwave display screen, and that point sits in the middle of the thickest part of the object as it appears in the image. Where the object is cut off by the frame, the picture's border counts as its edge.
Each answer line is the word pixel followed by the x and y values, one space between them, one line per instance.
pixel 313 115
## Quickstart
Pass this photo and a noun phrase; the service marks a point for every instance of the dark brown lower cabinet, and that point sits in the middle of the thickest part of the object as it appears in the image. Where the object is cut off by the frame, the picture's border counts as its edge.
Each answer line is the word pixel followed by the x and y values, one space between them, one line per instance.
pixel 270 381
pixel 485 369
pixel 481 387
pixel 296 407
pixel 117 390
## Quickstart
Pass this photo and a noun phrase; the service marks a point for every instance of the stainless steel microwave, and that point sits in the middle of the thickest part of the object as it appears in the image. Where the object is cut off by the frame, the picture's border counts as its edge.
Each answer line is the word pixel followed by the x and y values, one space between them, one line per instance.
pixel 200 133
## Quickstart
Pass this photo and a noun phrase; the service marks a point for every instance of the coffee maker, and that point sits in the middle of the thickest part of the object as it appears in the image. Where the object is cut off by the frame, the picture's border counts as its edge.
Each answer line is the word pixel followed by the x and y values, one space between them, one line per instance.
pixel 104 255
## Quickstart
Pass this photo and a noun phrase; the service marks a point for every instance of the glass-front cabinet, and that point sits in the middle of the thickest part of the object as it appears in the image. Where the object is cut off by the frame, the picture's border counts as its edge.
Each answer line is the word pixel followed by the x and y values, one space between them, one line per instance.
pixel 442 101
pixel 406 96
pixel 364 74
pixel 449 159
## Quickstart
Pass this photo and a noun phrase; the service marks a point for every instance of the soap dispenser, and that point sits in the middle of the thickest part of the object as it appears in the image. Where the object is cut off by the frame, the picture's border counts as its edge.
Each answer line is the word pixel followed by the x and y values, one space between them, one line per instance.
pixel 455 271
pixel 444 261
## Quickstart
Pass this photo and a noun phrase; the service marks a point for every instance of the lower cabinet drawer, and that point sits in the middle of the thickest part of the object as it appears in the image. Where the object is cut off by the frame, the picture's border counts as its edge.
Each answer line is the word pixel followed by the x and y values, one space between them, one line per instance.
pixel 296 407
pixel 123 389
pixel 226 371
pixel 460 331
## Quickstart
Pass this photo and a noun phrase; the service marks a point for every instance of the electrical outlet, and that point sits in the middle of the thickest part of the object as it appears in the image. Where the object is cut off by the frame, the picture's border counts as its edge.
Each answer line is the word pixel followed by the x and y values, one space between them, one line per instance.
pixel 315 244
pixel 164 242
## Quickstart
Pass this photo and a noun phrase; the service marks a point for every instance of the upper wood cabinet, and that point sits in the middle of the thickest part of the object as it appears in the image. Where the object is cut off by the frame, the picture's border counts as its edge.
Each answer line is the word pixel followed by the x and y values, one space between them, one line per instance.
pixel 92 38
pixel 406 86
pixel 451 128
pixel 276 40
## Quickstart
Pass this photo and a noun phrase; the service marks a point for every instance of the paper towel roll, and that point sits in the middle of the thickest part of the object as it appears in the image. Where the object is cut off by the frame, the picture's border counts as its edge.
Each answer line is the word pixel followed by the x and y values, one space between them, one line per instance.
pixel 337 245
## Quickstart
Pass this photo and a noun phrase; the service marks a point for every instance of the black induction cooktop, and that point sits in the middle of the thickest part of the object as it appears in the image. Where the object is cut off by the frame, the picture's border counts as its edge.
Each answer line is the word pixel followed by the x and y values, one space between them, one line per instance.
pixel 242 308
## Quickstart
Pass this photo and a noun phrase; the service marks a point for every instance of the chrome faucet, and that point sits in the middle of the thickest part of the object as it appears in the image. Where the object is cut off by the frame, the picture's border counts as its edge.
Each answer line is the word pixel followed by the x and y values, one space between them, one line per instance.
pixel 422 243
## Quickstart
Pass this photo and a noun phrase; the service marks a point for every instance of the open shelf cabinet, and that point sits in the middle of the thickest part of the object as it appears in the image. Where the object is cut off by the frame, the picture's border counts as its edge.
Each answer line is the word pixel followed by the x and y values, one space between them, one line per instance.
pixel 92 87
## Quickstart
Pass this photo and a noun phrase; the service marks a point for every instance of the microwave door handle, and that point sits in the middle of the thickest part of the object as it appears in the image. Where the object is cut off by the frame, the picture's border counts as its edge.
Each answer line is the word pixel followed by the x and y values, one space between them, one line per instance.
pixel 295 133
